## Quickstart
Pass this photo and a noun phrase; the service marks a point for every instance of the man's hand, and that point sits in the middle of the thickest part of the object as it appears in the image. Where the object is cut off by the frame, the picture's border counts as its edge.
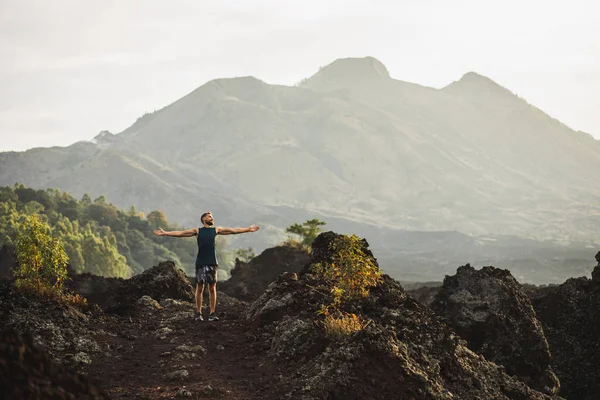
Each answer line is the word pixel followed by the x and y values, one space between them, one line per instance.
pixel 160 232
pixel 254 228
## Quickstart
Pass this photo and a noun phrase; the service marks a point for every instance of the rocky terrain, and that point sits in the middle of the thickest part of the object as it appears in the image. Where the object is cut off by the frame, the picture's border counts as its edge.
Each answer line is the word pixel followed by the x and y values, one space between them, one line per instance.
pixel 489 309
pixel 138 338
pixel 570 316
pixel 27 372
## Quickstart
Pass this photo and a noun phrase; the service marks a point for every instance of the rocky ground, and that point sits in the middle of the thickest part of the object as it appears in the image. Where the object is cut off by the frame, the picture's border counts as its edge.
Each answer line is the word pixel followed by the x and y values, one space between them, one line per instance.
pixel 140 341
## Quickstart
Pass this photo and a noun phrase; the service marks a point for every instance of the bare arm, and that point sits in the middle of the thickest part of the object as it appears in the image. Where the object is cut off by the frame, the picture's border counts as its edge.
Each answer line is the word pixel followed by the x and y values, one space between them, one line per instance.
pixel 186 233
pixel 235 231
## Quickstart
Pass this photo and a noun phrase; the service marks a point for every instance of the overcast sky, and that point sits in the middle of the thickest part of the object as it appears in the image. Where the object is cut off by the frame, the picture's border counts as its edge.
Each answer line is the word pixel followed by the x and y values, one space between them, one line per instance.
pixel 72 68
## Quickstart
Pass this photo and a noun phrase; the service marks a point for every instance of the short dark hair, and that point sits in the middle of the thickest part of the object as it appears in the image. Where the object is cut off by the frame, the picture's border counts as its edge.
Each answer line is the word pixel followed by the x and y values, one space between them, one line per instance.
pixel 204 215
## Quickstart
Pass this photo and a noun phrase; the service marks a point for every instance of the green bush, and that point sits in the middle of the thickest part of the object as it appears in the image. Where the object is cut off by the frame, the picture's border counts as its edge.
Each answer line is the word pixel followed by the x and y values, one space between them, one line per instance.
pixel 41 259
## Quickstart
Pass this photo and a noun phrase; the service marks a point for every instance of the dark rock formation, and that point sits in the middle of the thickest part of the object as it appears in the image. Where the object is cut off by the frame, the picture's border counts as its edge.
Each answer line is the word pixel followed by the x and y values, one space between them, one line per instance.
pixel 596 271
pixel 403 350
pixel 249 280
pixel 489 309
pixel 96 289
pixel 120 296
pixel 27 372
pixel 59 328
pixel 8 261
pixel 570 315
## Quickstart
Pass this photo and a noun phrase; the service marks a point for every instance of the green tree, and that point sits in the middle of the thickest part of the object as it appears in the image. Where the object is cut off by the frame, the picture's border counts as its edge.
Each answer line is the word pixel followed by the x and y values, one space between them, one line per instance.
pixel 308 231
pixel 33 207
pixel 157 219
pixel 86 199
pixel 41 258
pixel 100 200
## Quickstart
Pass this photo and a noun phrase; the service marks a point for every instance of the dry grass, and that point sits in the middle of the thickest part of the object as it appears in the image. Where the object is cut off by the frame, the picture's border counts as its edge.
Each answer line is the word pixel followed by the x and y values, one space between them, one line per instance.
pixel 339 327
pixel 32 288
pixel 295 244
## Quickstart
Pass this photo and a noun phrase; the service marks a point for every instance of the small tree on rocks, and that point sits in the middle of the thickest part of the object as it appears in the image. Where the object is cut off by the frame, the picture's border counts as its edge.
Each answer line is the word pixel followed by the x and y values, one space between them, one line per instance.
pixel 42 261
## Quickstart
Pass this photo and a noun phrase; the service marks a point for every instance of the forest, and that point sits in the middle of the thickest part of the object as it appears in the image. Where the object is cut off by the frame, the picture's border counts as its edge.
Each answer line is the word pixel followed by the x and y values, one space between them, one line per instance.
pixel 100 238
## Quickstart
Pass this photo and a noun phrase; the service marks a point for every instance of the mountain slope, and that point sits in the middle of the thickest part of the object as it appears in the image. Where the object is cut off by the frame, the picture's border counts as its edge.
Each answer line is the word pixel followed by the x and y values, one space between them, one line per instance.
pixel 350 142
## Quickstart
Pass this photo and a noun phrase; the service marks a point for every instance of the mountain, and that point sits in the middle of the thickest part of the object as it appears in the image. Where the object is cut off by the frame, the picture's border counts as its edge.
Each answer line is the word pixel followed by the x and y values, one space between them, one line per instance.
pixel 349 144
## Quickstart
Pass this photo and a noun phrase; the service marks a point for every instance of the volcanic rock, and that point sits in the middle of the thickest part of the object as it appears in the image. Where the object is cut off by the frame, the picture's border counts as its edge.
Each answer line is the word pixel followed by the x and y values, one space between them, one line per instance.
pixel 570 315
pixel 489 309
pixel 27 372
pixel 401 349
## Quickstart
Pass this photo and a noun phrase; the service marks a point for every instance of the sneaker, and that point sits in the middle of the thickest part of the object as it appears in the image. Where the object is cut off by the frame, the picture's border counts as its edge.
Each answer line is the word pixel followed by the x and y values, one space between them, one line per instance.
pixel 198 316
pixel 213 317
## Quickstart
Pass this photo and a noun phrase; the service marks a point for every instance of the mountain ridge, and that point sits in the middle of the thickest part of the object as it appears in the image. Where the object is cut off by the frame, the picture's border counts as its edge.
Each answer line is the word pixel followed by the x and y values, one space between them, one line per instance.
pixel 375 151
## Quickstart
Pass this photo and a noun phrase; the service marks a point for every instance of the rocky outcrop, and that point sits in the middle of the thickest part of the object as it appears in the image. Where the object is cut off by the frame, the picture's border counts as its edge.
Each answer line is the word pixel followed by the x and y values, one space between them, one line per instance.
pixel 8 261
pixel 570 315
pixel 120 296
pixel 27 372
pixel 489 309
pixel 249 280
pixel 400 350
pixel 59 328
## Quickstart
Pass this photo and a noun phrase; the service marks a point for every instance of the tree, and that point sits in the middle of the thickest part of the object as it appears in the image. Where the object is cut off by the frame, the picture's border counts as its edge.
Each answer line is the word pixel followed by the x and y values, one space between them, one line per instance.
pixel 86 200
pixel 157 219
pixel 308 231
pixel 41 258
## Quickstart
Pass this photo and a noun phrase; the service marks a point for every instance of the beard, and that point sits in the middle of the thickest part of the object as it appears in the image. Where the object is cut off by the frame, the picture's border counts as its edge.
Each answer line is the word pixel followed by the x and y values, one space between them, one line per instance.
pixel 209 223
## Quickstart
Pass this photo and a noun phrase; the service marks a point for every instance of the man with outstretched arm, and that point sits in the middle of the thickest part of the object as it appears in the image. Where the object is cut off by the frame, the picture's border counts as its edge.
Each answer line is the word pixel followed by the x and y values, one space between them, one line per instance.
pixel 206 260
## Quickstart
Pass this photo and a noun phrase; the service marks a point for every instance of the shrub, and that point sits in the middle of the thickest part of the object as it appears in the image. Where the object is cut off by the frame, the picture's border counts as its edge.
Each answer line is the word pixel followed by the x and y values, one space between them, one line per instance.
pixel 47 292
pixel 351 272
pixel 294 244
pixel 343 325
pixel 42 261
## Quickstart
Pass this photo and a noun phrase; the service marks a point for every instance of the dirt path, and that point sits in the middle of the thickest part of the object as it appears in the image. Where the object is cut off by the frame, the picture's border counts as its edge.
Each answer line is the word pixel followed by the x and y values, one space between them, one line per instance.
pixel 136 359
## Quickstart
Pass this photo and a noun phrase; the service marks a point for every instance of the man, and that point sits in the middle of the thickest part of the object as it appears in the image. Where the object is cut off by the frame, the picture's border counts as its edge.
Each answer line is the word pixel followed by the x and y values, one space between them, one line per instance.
pixel 206 260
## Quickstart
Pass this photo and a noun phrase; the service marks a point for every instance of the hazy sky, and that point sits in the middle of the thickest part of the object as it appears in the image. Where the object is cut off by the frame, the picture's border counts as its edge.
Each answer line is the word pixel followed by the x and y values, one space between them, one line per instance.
pixel 72 68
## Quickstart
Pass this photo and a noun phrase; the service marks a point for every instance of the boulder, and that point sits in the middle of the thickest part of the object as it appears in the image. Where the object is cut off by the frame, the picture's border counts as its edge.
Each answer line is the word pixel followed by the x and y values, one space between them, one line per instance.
pixel 161 282
pixel 489 309
pixel 570 315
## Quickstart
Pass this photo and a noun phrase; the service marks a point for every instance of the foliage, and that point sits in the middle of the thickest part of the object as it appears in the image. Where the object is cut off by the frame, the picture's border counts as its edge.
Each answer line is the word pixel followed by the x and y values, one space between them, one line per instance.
pixel 50 293
pixel 41 258
pixel 98 237
pixel 342 325
pixel 290 242
pixel 349 275
pixel 308 231
pixel 42 264
pixel 351 271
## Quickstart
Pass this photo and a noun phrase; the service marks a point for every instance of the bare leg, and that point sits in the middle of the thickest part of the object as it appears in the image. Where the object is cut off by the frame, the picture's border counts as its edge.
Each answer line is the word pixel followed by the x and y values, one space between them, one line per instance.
pixel 212 292
pixel 199 292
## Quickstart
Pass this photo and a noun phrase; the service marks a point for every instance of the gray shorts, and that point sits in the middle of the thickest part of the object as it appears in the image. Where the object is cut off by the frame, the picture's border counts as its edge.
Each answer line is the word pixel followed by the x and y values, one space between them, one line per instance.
pixel 206 274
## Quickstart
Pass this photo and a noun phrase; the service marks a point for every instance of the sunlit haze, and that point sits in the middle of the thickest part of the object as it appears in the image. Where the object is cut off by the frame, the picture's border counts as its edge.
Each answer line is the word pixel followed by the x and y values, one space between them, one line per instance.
pixel 71 69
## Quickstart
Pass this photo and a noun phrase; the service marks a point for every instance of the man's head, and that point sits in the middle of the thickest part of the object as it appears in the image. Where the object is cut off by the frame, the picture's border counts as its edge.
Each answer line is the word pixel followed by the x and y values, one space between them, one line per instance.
pixel 207 219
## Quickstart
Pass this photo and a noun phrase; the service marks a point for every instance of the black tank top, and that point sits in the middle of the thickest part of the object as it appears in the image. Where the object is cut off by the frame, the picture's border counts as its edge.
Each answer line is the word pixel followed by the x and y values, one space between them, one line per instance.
pixel 207 254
